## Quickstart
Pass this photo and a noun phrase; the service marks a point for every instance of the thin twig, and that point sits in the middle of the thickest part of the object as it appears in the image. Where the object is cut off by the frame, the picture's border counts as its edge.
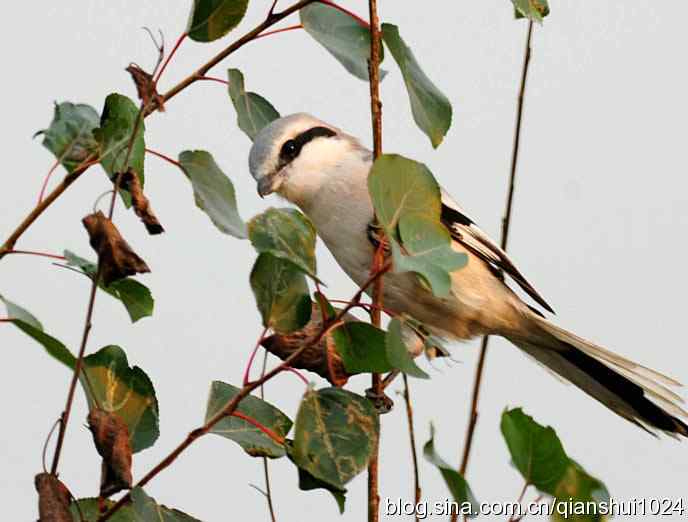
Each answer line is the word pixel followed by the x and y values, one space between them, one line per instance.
pixel 169 58
pixel 282 30
pixel 232 405
pixel 247 370
pixel 266 467
pixel 378 258
pixel 412 437
pixel 473 419
pixel 34 253
pixel 353 15
pixel 163 157
pixel 513 518
pixel 213 79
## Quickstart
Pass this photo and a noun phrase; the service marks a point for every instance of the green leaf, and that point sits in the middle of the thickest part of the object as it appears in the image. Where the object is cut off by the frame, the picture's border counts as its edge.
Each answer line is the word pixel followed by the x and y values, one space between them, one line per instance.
pixel 308 482
pixel 253 111
pixel 287 234
pixel 534 10
pixel 397 352
pixel 251 439
pixel 362 348
pixel 431 109
pixel 212 19
pixel 281 293
pixel 141 509
pixel 335 434
pixel 536 450
pixel 70 135
pixel 341 35
pixel 136 297
pixel 575 490
pixel 458 487
pixel 124 390
pixel 408 204
pixel 213 192
pixel 117 124
pixel 27 323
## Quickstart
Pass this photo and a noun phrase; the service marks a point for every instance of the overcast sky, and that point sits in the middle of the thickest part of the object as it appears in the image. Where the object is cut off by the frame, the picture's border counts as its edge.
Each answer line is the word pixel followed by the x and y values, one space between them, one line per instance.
pixel 599 227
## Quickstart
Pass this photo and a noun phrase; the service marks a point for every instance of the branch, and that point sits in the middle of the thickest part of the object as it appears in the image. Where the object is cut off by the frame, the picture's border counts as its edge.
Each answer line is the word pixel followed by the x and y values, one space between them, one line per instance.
pixel 506 221
pixel 266 467
pixel 412 436
pixel 232 405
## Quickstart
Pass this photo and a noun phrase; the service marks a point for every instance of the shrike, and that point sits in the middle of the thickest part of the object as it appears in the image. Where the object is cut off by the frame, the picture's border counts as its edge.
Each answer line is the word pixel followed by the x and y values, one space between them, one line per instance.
pixel 324 172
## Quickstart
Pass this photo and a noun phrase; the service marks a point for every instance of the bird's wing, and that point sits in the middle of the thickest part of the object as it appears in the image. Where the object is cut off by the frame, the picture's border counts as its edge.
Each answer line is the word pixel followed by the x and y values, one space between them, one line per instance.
pixel 465 231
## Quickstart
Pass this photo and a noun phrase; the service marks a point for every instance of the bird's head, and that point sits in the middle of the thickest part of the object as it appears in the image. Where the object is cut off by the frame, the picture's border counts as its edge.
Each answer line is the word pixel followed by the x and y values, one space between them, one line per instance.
pixel 295 154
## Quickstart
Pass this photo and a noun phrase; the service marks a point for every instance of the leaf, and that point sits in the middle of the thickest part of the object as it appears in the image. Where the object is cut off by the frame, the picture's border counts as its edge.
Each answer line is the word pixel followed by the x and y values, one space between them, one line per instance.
pixel 407 202
pixel 397 352
pixel 335 434
pixel 253 111
pixel 535 450
pixel 142 207
pixel 578 490
pixel 111 438
pixel 251 439
pixel 117 124
pixel 53 499
pixel 212 19
pixel 70 135
pixel 287 234
pixel 123 390
pixel 362 348
pixel 534 10
pixel 341 35
pixel 458 487
pixel 116 258
pixel 141 509
pixel 28 324
pixel 281 294
pixel 431 109
pixel 136 297
pixel 308 482
pixel 213 192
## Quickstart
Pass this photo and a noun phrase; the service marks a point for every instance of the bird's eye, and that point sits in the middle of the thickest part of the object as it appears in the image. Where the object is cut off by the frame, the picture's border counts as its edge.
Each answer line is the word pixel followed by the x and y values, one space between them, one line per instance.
pixel 289 149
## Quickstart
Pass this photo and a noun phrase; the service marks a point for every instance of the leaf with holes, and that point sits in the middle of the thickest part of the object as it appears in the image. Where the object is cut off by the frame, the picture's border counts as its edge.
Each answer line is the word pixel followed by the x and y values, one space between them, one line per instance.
pixel 136 297
pixel 253 111
pixel 536 451
pixel 398 354
pixel 335 434
pixel 281 293
pixel 213 192
pixel 27 323
pixel 341 35
pixel 254 441
pixel 70 135
pixel 458 487
pixel 431 109
pixel 212 19
pixel 534 10
pixel 361 347
pixel 287 234
pixel 117 123
pixel 407 202
pixel 142 508
pixel 124 390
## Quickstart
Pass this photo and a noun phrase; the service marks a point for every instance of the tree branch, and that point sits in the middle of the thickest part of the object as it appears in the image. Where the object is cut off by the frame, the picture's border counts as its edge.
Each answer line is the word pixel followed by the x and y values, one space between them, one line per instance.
pixel 506 221
pixel 412 437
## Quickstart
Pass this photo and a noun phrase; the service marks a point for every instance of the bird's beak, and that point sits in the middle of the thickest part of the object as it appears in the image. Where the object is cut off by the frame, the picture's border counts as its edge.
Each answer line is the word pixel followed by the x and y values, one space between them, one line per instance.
pixel 266 185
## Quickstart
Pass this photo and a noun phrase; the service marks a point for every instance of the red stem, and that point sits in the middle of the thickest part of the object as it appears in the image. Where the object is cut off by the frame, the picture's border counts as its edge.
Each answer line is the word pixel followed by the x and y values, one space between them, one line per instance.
pixel 213 79
pixel 264 429
pixel 247 370
pixel 47 178
pixel 360 20
pixel 298 374
pixel 162 156
pixel 6 320
pixel 32 253
pixel 172 53
pixel 282 30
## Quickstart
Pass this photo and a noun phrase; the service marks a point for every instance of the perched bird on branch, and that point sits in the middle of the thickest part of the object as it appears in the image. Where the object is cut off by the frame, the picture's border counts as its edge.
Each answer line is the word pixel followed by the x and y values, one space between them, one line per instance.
pixel 324 172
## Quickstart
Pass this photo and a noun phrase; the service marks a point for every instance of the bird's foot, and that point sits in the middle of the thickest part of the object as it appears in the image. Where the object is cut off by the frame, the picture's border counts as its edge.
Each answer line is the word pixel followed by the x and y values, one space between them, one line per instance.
pixel 381 402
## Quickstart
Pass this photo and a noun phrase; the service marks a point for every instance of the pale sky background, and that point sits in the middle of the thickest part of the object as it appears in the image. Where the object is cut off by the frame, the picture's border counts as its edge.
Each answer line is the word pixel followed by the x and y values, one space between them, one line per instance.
pixel 599 227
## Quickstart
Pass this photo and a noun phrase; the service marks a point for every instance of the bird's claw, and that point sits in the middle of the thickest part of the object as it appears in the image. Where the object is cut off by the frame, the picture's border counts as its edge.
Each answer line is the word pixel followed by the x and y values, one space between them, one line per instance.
pixel 381 402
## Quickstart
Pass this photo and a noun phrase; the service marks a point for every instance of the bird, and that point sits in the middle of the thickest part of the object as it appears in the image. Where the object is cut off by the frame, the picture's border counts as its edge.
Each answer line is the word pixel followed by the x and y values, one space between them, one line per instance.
pixel 323 171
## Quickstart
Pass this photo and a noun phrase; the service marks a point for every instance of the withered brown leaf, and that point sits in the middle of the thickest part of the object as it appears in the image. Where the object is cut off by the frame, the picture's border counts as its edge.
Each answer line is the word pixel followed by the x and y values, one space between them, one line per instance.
pixel 111 437
pixel 130 182
pixel 115 255
pixel 53 499
pixel 145 87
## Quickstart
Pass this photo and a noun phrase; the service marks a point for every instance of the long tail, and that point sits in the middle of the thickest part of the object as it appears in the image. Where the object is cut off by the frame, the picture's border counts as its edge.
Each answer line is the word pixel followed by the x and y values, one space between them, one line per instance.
pixel 638 394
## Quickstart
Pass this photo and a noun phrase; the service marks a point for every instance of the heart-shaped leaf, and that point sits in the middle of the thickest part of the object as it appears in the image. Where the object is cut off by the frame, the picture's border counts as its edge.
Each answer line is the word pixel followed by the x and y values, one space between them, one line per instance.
pixel 213 192
pixel 335 434
pixel 431 109
pixel 212 19
pixel 287 234
pixel 254 441
pixel 343 36
pixel 70 135
pixel 253 111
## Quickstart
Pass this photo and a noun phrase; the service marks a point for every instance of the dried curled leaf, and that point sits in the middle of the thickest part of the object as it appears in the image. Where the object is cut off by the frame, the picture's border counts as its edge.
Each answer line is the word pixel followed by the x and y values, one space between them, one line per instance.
pixel 53 499
pixel 130 182
pixel 115 255
pixel 111 437
pixel 145 87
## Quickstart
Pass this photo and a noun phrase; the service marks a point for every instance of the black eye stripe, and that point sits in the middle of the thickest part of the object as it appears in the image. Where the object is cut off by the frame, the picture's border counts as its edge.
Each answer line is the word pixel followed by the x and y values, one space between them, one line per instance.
pixel 292 148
